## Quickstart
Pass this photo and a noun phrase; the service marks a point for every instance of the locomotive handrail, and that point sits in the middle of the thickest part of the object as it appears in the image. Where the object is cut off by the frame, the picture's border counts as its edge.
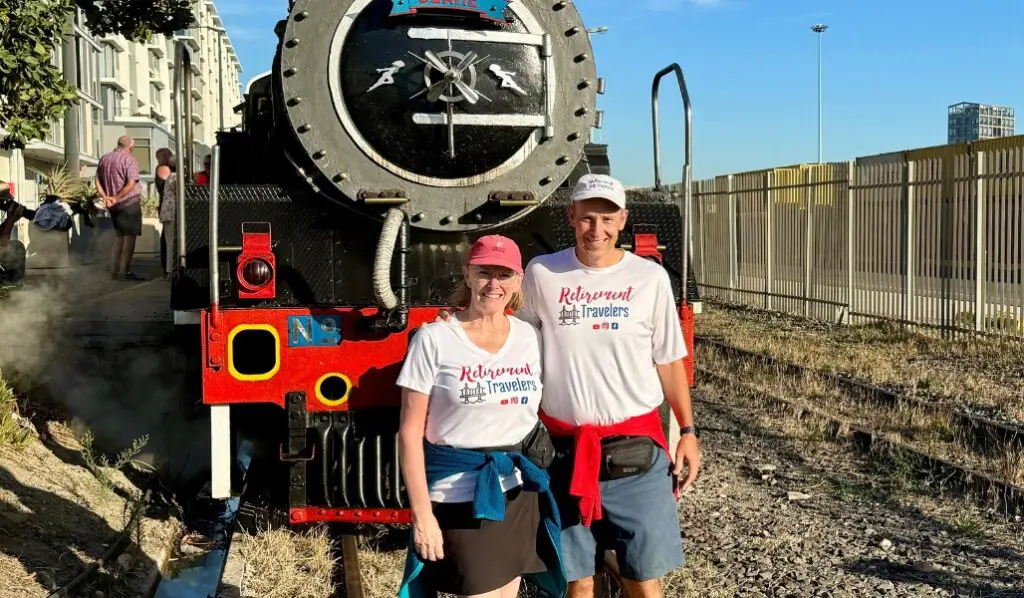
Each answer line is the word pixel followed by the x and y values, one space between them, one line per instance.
pixel 182 140
pixel 687 161
pixel 214 230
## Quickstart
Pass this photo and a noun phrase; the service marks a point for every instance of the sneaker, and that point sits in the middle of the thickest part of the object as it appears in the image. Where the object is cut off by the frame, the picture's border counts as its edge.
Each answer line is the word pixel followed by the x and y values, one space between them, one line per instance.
pixel 130 276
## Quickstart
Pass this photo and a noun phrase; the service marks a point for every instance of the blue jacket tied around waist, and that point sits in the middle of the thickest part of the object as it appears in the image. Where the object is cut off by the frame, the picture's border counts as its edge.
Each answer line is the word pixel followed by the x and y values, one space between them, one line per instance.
pixel 489 503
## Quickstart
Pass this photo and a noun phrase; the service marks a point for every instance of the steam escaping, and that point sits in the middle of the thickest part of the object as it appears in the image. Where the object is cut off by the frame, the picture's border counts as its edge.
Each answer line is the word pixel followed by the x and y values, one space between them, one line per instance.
pixel 61 347
pixel 30 328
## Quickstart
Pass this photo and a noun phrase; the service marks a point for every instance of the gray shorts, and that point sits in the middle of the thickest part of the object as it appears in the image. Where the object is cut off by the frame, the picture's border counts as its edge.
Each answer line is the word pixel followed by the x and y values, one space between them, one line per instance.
pixel 639 521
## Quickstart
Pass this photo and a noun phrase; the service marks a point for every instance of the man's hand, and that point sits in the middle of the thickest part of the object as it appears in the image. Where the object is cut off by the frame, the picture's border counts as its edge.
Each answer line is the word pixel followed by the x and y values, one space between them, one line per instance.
pixel 688 454
pixel 109 201
pixel 443 316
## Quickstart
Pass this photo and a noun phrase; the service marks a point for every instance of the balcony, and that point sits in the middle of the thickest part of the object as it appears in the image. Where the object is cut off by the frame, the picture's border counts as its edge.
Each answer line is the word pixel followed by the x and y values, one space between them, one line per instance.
pixel 189 37
pixel 116 42
pixel 157 46
pixel 109 81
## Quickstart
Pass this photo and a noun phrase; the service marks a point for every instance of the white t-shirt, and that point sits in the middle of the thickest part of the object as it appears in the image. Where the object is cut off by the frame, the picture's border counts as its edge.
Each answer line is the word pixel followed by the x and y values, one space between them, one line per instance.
pixel 477 399
pixel 604 329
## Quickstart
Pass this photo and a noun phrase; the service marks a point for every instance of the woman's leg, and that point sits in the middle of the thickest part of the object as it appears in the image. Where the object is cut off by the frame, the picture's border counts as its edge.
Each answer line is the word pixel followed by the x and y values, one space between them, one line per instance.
pixel 169 260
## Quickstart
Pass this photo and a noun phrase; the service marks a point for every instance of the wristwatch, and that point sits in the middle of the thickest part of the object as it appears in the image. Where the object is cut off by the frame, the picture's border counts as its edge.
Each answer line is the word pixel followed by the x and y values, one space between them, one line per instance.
pixel 689 430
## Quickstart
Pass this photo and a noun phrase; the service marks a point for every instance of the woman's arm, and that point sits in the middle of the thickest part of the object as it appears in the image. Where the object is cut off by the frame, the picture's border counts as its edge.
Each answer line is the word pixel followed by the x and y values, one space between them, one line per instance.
pixel 426 531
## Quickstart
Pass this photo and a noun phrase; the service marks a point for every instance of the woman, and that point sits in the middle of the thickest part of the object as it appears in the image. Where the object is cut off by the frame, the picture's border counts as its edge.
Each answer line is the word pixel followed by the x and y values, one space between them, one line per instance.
pixel 164 167
pixel 472 447
pixel 167 219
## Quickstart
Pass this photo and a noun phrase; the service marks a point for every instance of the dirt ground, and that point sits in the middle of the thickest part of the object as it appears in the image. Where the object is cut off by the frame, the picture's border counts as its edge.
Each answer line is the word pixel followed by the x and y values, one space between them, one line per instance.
pixel 56 518
pixel 980 374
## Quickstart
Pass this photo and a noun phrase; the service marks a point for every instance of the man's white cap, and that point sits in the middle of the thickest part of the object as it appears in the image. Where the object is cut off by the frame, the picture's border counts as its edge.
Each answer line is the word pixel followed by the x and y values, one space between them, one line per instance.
pixel 594 186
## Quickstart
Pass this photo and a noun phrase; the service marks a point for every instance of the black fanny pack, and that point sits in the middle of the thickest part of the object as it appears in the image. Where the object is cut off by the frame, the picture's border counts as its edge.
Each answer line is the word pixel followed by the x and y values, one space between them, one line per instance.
pixel 537 447
pixel 625 456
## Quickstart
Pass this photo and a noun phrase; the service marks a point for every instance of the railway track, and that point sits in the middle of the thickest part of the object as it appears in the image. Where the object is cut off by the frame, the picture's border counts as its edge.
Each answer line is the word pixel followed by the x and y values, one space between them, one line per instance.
pixel 1002 496
pixel 985 435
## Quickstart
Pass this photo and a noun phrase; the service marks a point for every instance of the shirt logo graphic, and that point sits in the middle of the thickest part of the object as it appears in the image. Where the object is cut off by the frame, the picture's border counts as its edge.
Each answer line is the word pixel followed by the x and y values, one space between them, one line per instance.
pixel 472 395
pixel 569 318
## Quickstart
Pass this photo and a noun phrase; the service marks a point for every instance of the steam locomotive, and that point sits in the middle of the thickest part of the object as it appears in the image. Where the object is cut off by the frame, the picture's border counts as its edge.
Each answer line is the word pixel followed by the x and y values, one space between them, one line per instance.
pixel 388 135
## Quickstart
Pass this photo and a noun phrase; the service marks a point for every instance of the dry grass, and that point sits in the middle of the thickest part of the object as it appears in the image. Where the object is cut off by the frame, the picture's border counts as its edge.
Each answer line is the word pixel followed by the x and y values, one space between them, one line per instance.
pixel 927 431
pixel 56 517
pixel 282 563
pixel 15 430
pixel 969 370
pixel 381 568
pixel 698 577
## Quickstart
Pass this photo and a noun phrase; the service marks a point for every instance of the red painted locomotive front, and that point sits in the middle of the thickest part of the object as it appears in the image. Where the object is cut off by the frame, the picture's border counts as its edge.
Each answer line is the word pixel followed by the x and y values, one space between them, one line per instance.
pixel 367 367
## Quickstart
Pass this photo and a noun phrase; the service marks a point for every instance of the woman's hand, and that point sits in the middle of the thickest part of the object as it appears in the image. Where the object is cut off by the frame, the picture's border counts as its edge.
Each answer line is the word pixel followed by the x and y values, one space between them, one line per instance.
pixel 426 536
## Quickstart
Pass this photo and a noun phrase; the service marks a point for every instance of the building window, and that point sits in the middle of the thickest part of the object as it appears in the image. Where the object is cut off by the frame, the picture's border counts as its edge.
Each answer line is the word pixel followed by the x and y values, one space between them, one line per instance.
pixel 97 143
pixel 112 100
pixel 143 155
pixel 154 97
pixel 109 62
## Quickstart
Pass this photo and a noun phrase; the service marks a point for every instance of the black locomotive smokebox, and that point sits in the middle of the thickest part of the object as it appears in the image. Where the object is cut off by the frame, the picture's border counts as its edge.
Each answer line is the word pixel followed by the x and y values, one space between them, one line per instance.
pixel 452 107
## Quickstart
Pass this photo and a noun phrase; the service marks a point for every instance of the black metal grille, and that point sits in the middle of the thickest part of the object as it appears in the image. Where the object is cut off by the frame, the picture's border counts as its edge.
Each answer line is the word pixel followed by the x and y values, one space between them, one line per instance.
pixel 325 252
pixel 356 462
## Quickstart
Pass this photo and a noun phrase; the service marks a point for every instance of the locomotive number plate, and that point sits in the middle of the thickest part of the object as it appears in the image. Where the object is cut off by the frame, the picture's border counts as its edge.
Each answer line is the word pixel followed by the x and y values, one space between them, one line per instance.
pixel 313 331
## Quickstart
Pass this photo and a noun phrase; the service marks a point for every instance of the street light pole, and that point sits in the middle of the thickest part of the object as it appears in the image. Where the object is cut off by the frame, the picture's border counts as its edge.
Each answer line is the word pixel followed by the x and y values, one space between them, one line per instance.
pixel 819 29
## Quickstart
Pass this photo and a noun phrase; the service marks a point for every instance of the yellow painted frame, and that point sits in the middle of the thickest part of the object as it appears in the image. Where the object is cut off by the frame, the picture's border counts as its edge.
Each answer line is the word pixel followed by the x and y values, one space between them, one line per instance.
pixel 320 396
pixel 231 358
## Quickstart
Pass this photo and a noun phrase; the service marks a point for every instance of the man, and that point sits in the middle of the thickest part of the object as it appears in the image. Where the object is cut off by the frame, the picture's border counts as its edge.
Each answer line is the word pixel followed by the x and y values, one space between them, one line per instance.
pixel 613 350
pixel 117 181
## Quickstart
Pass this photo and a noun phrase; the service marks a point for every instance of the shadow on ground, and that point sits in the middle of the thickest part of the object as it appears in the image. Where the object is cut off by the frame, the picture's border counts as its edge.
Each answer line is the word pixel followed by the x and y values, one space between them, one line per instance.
pixel 55 539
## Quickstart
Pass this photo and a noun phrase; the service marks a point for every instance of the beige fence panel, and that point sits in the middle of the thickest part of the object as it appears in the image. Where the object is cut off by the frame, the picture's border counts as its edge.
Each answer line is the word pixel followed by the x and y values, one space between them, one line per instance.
pixel 933 236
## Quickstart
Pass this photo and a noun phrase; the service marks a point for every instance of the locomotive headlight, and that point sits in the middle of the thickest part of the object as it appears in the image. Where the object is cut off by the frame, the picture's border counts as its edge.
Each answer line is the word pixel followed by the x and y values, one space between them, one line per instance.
pixel 257 273
pixel 256 263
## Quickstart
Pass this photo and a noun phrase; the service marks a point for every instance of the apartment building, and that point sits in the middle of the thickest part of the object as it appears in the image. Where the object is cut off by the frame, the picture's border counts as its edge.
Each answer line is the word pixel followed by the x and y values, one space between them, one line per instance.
pixel 138 84
pixel 126 88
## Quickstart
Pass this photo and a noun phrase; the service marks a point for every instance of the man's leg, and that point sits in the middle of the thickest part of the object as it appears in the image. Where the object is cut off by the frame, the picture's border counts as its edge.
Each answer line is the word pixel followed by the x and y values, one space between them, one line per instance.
pixel 131 218
pixel 579 543
pixel 643 513
pixel 115 262
pixel 127 252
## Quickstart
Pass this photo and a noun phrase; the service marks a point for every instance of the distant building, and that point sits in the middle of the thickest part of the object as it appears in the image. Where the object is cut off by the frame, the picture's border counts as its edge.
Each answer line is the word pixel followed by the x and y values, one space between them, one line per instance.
pixel 969 121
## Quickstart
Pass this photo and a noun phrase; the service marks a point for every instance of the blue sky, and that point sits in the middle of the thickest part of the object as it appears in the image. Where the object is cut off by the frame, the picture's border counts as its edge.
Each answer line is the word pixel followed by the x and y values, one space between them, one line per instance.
pixel 890 71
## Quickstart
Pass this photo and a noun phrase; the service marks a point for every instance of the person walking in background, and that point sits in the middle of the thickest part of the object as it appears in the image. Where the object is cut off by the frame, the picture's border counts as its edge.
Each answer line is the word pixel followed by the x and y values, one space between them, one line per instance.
pixel 164 167
pixel 472 451
pixel 117 181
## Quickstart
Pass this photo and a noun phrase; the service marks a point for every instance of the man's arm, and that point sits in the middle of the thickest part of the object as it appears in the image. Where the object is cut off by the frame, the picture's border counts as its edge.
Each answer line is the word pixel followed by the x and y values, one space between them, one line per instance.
pixel 668 350
pixel 675 383
pixel 124 191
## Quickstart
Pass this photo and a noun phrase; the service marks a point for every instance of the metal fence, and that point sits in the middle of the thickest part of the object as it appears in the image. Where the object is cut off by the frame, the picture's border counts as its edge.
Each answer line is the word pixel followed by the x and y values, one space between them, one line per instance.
pixel 931 236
